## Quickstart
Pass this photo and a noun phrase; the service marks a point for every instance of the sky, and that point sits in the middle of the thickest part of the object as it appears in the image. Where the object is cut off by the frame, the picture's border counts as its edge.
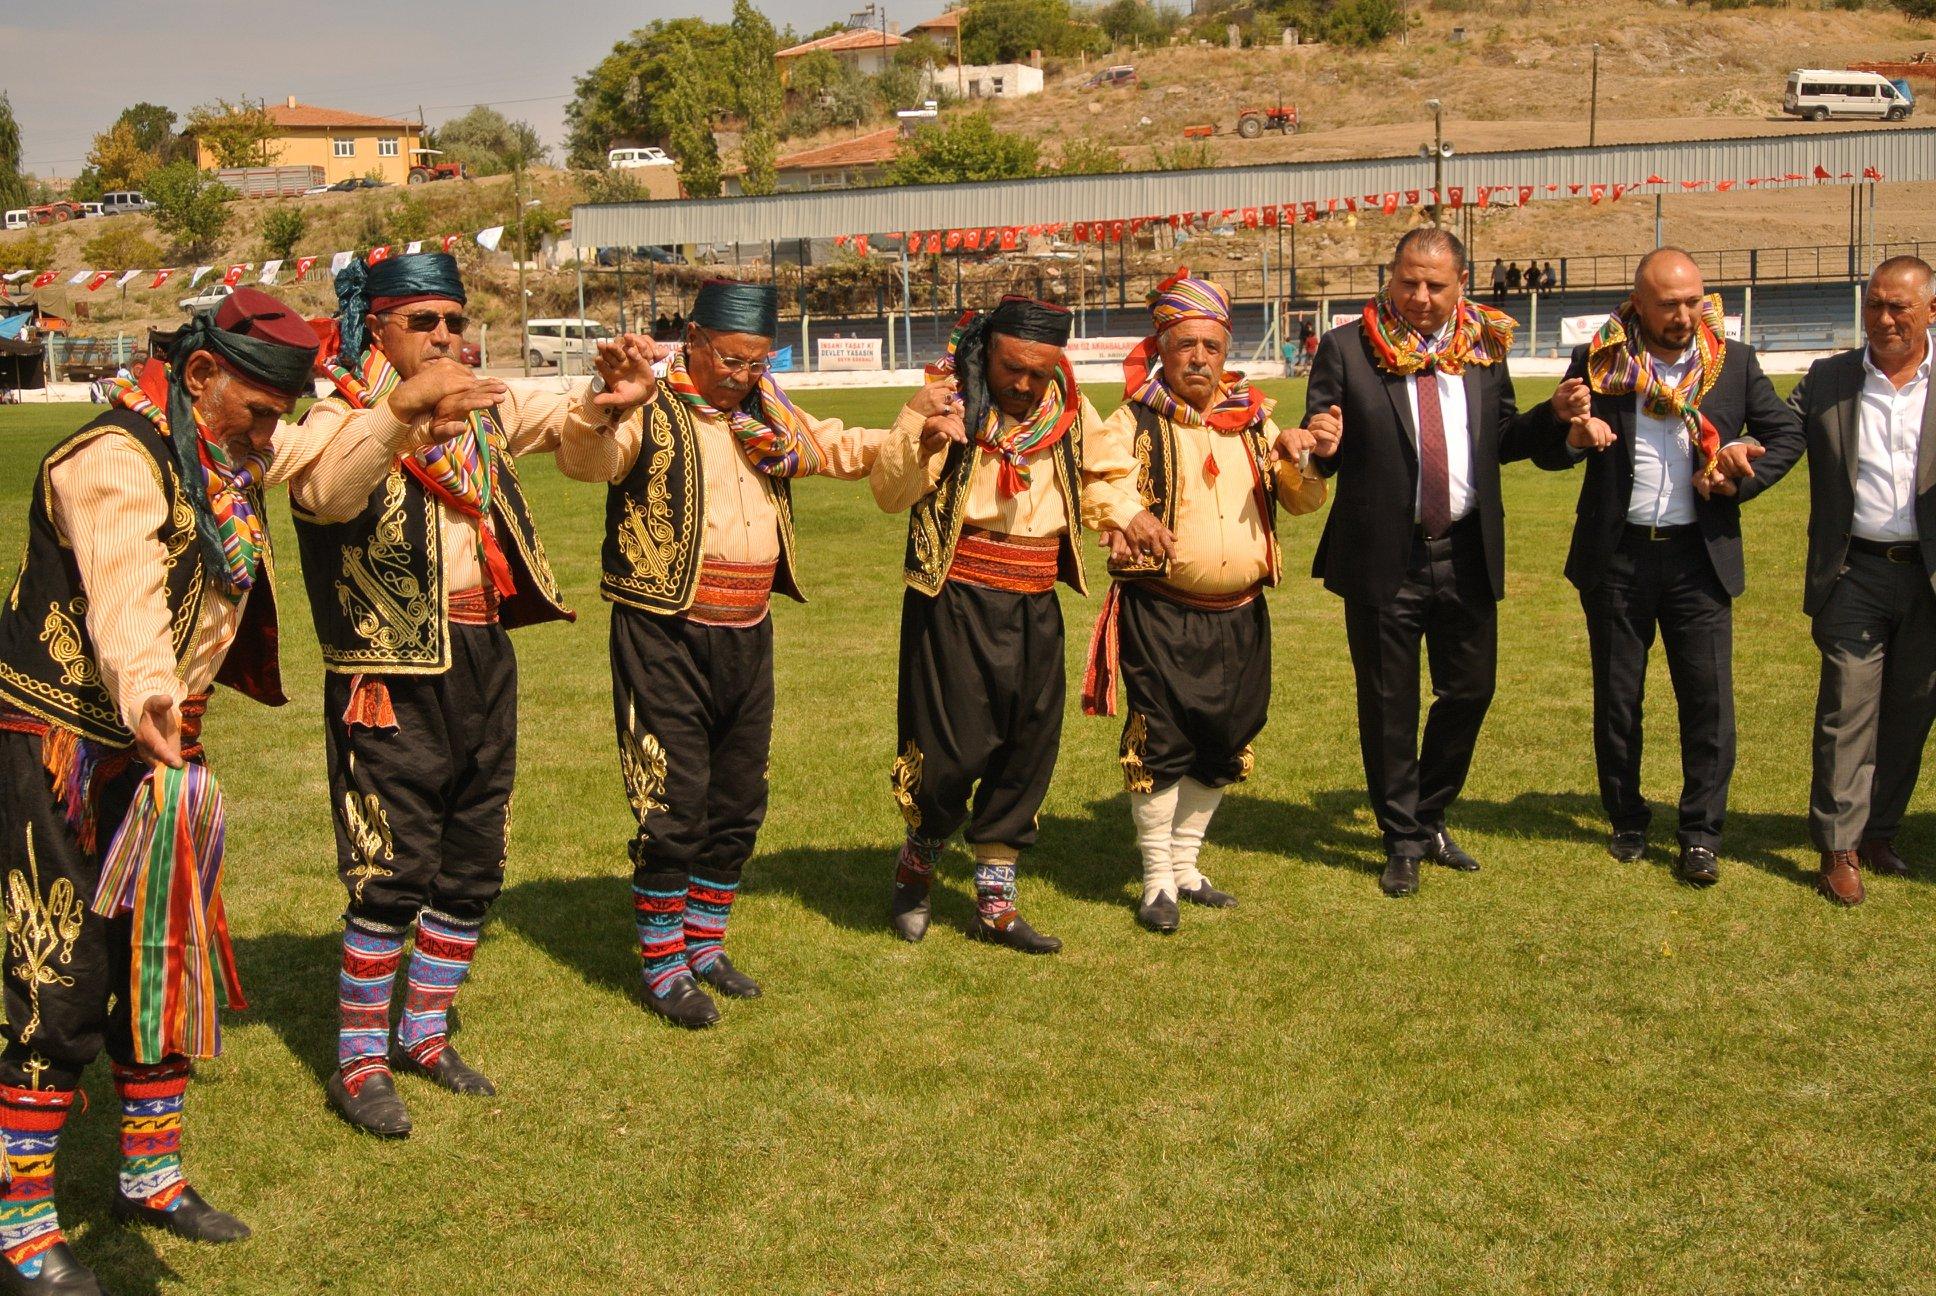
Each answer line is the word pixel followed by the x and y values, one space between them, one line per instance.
pixel 70 66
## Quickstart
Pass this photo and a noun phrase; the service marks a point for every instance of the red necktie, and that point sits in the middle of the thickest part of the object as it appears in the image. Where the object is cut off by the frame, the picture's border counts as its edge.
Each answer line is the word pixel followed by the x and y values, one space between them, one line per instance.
pixel 1434 476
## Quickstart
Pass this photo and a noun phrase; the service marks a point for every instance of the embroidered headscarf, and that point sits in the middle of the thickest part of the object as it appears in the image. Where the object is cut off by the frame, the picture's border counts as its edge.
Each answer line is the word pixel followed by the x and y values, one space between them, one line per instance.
pixel 1237 406
pixel 966 361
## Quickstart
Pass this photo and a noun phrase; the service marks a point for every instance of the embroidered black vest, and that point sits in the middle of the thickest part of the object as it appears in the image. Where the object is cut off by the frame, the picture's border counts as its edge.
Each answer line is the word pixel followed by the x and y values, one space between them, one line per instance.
pixel 47 663
pixel 655 518
pixel 935 521
pixel 1156 466
pixel 378 588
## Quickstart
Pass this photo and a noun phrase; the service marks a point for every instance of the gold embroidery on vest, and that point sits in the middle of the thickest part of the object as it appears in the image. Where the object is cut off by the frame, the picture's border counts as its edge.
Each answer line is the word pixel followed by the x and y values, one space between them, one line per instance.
pixel 389 608
pixel 368 828
pixel 524 536
pixel 40 931
pixel 642 760
pixel 62 635
pixel 1136 776
pixel 906 781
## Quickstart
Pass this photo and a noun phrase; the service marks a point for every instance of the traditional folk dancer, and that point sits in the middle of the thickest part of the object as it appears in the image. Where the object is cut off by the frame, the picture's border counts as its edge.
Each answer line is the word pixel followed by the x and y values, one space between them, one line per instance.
pixel 147 579
pixel 994 463
pixel 412 586
pixel 1188 625
pixel 698 535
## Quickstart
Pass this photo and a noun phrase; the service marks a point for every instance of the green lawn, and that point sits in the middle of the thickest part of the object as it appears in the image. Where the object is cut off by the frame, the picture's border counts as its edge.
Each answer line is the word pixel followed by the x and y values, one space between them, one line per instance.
pixel 1558 1075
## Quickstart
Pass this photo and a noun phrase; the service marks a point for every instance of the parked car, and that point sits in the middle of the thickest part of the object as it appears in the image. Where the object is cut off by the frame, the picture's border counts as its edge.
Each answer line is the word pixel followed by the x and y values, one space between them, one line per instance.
pixel 207 299
pixel 550 341
pixel 1816 94
pixel 118 201
pixel 18 218
pixel 624 159
pixel 1123 74
pixel 92 209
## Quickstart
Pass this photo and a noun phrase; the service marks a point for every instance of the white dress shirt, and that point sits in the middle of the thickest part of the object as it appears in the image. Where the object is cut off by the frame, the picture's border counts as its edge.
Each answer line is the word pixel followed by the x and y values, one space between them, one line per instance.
pixel 1663 457
pixel 1458 435
pixel 1886 449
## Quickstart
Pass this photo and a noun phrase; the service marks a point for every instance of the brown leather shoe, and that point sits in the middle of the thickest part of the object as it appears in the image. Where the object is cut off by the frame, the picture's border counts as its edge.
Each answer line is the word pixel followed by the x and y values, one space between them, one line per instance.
pixel 1841 879
pixel 1879 856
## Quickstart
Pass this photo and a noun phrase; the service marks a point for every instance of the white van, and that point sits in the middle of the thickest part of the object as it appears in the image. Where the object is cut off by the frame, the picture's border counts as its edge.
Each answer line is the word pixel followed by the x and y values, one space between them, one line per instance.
pixel 624 159
pixel 1818 94
pixel 550 341
pixel 18 218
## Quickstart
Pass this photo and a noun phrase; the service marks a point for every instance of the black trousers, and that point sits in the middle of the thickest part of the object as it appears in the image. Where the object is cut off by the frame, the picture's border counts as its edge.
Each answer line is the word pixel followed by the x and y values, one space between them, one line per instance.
pixel 1670 586
pixel 1197 684
pixel 423 811
pixel 694 711
pixel 1446 604
pixel 66 970
pixel 980 711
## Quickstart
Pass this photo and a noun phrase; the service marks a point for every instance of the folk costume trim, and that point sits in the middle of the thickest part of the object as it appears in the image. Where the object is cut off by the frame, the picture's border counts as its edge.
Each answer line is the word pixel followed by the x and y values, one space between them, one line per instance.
pixel 1048 424
pixel 1617 364
pixel 1015 564
pixel 1480 336
pixel 776 441
pixel 1178 299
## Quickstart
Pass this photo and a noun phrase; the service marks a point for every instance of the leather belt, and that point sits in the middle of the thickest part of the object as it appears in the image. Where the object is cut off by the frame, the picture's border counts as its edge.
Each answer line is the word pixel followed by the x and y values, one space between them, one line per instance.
pixel 1658 533
pixel 1899 551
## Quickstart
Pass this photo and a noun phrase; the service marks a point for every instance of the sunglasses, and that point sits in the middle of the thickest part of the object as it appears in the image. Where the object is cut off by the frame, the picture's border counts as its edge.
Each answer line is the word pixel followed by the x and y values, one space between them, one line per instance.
pixel 733 364
pixel 427 321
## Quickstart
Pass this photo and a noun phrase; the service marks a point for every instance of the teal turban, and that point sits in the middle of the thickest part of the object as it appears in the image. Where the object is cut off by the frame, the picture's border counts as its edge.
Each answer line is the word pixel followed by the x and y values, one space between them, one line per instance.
pixel 727 307
pixel 363 289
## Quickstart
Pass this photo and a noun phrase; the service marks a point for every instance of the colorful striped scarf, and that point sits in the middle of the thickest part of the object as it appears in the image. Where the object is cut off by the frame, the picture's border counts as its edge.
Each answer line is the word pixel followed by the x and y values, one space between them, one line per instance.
pixel 1049 423
pixel 776 441
pixel 165 868
pixel 229 487
pixel 1480 336
pixel 1617 364
pixel 1238 404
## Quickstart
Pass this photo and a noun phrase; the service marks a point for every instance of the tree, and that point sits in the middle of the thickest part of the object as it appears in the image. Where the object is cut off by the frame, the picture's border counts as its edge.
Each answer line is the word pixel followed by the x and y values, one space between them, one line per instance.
pixel 154 131
pixel 688 107
pixel 122 246
pixel 828 92
pixel 240 134
pixel 1007 31
pixel 1135 22
pixel 1343 22
pixel 1086 157
pixel 624 98
pixel 758 100
pixel 118 161
pixel 13 184
pixel 191 206
pixel 487 142
pixel 34 250
pixel 283 228
pixel 967 149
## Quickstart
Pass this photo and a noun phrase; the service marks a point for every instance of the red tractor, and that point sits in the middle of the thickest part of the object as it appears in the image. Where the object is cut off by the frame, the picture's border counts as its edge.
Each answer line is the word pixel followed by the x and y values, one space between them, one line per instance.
pixel 424 167
pixel 1252 122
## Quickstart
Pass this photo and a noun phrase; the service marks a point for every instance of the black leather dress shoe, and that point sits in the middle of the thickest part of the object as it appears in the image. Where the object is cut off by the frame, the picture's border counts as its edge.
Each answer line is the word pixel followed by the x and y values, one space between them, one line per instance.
pixel 1018 935
pixel 1698 867
pixel 374 1108
pixel 722 976
pixel 1158 913
pixel 1444 850
pixel 191 1218
pixel 909 912
pixel 61 1274
pixel 1208 896
pixel 684 1004
pixel 1400 877
pixel 1627 847
pixel 448 1072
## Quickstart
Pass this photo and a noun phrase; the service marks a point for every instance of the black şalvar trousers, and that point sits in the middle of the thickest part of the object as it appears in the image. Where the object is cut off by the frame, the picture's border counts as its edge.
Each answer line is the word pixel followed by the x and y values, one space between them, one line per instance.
pixel 423 809
pixel 1446 604
pixel 979 710
pixel 693 705
pixel 1197 683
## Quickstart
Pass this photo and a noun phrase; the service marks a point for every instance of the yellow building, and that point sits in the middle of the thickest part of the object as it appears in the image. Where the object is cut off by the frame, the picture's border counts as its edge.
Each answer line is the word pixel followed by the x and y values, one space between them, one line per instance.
pixel 344 144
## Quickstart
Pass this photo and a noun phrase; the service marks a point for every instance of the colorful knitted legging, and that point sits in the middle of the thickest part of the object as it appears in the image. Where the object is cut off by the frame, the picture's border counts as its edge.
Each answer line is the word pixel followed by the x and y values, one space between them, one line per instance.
pixel 363 1002
pixel 30 1123
pixel 151 1131
pixel 661 919
pixel 438 965
pixel 709 901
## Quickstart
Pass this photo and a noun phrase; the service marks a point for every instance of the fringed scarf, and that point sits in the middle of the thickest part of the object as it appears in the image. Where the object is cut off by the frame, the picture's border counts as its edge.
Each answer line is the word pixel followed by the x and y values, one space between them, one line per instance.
pixel 776 440
pixel 1480 336
pixel 1238 405
pixel 165 867
pixel 228 484
pixel 1049 423
pixel 1617 364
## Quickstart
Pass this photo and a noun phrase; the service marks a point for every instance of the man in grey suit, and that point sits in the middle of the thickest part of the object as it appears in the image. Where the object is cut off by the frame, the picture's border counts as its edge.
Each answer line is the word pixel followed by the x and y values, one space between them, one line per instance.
pixel 1871 585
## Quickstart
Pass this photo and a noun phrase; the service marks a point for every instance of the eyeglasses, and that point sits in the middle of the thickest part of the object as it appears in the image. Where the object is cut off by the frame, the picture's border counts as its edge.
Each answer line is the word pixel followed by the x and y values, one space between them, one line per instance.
pixel 733 364
pixel 427 321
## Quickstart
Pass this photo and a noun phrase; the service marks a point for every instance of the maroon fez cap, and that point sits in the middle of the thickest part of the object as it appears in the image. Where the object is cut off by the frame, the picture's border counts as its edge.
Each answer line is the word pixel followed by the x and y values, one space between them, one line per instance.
pixel 252 313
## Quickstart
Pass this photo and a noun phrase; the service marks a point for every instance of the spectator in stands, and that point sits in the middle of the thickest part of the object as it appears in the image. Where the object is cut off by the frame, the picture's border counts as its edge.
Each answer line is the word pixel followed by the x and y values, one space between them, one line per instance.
pixel 1534 281
pixel 1548 281
pixel 1498 279
pixel 1512 278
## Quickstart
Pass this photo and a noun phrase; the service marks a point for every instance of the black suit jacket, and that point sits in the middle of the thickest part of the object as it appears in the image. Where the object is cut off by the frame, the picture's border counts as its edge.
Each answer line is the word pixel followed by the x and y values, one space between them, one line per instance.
pixel 1742 403
pixel 1829 403
pixel 1367 543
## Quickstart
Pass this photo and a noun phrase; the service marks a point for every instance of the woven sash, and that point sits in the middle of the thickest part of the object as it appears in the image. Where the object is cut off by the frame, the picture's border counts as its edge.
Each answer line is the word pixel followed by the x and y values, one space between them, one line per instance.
pixel 1018 564
pixel 732 594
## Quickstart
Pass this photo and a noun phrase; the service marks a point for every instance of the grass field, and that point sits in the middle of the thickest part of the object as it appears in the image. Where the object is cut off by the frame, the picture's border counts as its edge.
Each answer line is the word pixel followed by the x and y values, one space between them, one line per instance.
pixel 1557 1075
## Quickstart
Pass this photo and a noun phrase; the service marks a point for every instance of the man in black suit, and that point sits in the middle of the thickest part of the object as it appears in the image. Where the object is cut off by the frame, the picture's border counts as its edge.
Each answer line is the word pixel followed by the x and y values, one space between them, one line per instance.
pixel 1657 539
pixel 1871 584
pixel 1415 542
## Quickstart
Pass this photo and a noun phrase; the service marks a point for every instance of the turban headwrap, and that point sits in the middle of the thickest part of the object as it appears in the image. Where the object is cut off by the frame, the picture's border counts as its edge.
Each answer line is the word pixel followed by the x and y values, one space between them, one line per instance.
pixel 1237 406
pixel 727 307
pixel 1181 298
pixel 966 361
pixel 1032 321
pixel 363 289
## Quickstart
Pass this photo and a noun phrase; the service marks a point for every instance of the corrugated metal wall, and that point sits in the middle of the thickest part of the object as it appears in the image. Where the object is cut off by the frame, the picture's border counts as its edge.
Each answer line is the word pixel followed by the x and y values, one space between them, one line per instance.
pixel 1898 155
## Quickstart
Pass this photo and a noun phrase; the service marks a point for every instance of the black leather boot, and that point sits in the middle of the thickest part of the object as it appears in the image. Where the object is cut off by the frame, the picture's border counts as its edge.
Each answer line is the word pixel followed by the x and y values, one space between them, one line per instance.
pixel 374 1108
pixel 61 1274
pixel 722 976
pixel 1017 935
pixel 191 1218
pixel 449 1071
pixel 684 1004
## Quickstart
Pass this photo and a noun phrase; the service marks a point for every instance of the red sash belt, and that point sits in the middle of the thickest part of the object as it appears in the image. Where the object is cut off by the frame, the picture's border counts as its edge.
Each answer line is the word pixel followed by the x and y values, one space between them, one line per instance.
pixel 1017 564
pixel 732 594
pixel 1105 642
pixel 474 607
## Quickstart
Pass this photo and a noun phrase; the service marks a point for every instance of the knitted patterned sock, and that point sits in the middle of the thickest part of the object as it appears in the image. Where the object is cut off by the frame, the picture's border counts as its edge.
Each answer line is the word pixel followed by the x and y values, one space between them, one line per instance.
pixel 151 1131
pixel 661 916
pixel 438 965
pixel 363 1003
pixel 1153 813
pixel 995 891
pixel 1195 804
pixel 30 1124
pixel 709 902
pixel 915 867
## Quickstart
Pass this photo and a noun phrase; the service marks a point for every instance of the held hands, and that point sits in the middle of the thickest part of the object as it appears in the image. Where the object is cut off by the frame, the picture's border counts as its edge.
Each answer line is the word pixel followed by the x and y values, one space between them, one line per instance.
pixel 943 430
pixel 157 737
pixel 1588 433
pixel 1735 461
pixel 1573 401
pixel 447 394
pixel 624 364
pixel 1145 536
pixel 1326 429
pixel 1292 444
pixel 935 398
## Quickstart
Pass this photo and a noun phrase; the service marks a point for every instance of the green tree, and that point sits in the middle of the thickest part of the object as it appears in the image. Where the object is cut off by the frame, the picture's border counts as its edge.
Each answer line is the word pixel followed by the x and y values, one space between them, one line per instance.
pixel 1006 31
pixel 1135 22
pixel 121 246
pixel 191 206
pixel 1343 22
pixel 968 148
pixel 239 134
pixel 118 159
pixel 34 250
pixel 688 107
pixel 283 228
pixel 624 98
pixel 13 183
pixel 827 92
pixel 1917 8
pixel 154 131
pixel 487 142
pixel 758 97
pixel 1086 157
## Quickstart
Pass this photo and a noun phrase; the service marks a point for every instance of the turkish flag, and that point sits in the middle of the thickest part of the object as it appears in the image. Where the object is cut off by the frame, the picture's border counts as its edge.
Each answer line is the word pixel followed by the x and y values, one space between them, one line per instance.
pixel 1692 184
pixel 233 275
pixel 1617 191
pixel 1525 194
pixel 1351 204
pixel 1310 213
pixel 1654 179
pixel 99 277
pixel 1821 172
pixel 1035 231
pixel 1252 218
pixel 449 241
pixel 1116 231
pixel 934 245
pixel 1010 238
pixel 379 254
pixel 840 240
pixel 302 267
pixel 953 241
pixel 860 245
pixel 1484 195
pixel 1574 189
pixel 1596 192
pixel 1722 186
pixel 1553 188
pixel 1455 194
pixel 1082 233
pixel 1389 205
pixel 161 277
pixel 44 278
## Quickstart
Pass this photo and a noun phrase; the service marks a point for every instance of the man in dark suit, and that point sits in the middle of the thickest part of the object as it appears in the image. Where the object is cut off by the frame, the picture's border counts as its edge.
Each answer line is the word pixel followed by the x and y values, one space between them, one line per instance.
pixel 1871 441
pixel 1415 542
pixel 1657 540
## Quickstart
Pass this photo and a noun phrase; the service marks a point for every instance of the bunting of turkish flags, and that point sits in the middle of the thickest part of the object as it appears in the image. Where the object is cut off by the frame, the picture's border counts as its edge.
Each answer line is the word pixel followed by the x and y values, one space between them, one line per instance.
pixel 379 254
pixel 161 277
pixel 302 267
pixel 450 241
pixel 98 278
pixel 233 275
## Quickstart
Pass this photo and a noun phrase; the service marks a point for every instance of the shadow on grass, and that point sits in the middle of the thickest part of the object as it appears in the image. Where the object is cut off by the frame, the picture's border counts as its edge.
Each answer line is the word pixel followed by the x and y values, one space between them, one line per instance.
pixel 291 983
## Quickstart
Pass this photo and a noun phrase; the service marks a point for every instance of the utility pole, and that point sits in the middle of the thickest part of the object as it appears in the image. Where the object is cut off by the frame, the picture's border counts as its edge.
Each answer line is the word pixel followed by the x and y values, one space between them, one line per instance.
pixel 524 304
pixel 1438 159
pixel 1593 101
